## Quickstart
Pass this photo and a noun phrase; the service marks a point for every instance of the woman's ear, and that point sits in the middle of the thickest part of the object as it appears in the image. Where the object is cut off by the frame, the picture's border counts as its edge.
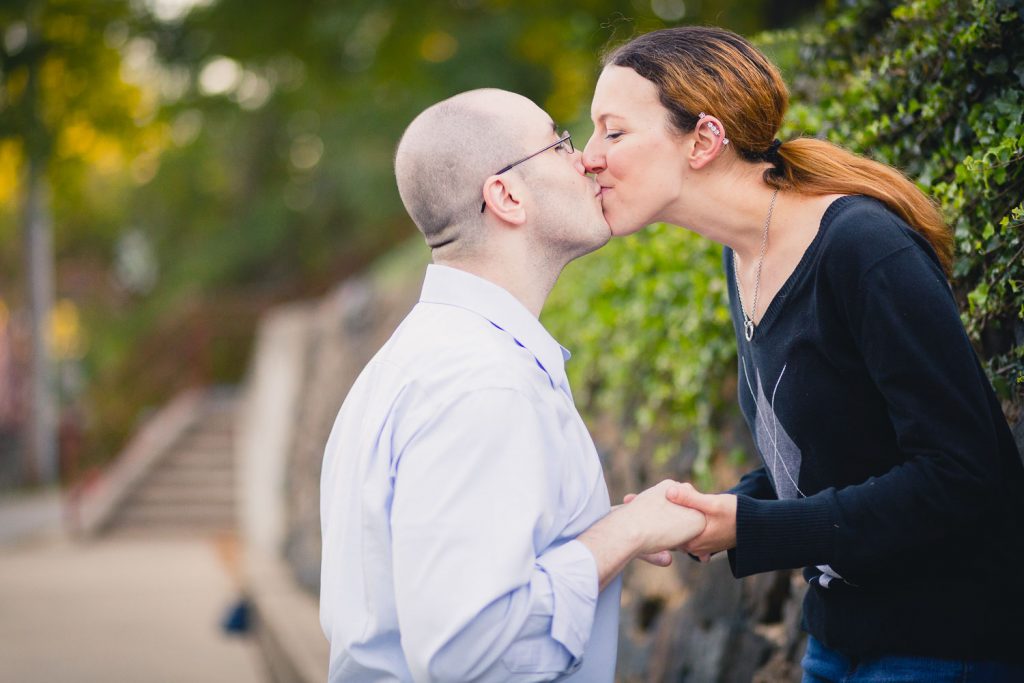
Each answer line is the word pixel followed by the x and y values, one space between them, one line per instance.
pixel 502 199
pixel 709 141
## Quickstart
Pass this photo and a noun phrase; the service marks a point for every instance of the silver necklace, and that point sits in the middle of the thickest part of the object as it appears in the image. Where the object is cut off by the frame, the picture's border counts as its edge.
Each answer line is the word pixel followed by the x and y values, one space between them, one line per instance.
pixel 748 320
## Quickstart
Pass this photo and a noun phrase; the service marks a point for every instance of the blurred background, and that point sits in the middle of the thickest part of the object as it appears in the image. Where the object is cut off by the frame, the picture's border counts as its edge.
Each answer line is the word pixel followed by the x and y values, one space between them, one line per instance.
pixel 194 162
pixel 201 242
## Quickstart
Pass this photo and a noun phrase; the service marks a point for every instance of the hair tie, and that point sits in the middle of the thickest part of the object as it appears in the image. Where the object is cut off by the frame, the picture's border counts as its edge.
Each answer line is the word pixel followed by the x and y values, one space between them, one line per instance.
pixel 772 154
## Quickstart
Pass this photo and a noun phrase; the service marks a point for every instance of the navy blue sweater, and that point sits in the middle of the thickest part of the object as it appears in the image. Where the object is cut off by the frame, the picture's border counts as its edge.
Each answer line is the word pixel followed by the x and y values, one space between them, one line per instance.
pixel 888 470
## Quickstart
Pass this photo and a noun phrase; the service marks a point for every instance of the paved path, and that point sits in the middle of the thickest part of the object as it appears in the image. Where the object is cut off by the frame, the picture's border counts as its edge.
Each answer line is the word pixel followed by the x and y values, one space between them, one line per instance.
pixel 119 610
pixel 23 515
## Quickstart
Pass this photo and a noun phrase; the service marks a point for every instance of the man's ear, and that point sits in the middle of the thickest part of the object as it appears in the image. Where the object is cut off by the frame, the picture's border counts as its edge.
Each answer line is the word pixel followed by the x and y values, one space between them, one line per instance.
pixel 709 141
pixel 502 198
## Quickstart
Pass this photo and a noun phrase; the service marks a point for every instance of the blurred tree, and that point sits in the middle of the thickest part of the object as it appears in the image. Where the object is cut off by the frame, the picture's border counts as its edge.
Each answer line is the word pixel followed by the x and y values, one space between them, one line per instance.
pixel 210 158
pixel 291 112
pixel 63 114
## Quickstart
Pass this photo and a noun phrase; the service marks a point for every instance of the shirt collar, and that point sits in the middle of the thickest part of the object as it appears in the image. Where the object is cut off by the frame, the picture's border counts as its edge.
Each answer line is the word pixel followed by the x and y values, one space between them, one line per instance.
pixel 454 287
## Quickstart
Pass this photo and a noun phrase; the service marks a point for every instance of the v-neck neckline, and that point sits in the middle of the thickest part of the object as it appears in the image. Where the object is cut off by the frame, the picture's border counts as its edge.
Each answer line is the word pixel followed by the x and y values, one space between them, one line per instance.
pixel 779 299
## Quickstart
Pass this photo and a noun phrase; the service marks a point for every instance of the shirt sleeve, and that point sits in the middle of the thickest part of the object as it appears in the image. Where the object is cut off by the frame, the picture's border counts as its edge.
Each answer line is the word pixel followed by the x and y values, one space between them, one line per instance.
pixel 906 324
pixel 478 594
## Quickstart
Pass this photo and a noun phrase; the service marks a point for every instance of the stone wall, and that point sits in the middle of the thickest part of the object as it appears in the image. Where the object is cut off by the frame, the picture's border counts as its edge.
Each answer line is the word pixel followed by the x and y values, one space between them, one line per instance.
pixel 344 330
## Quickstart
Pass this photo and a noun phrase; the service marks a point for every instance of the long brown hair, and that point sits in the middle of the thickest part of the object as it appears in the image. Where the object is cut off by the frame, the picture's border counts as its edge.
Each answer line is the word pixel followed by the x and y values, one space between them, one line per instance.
pixel 707 69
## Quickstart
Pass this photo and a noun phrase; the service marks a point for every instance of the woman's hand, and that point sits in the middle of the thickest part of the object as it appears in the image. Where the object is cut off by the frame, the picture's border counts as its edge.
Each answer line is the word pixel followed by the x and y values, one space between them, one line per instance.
pixel 720 511
pixel 718 535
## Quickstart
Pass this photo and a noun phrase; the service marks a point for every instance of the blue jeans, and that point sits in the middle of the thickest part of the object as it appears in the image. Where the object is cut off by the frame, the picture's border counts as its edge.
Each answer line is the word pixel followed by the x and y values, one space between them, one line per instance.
pixel 822 665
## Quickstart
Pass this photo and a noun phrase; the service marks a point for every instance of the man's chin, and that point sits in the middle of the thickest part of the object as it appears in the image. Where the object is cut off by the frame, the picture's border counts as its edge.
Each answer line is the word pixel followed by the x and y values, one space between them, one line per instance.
pixel 602 235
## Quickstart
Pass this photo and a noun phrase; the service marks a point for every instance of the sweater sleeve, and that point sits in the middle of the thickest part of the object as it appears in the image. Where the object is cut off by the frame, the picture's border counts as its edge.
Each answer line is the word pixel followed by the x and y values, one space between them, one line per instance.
pixel 906 324
pixel 755 484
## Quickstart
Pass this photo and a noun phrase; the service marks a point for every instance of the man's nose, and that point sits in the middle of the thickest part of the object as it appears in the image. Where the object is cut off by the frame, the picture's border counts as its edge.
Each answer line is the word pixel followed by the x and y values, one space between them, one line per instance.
pixel 593 155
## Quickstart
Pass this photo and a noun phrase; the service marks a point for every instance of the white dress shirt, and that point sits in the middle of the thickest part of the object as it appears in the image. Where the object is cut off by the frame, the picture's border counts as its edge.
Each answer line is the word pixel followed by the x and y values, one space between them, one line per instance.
pixel 454 483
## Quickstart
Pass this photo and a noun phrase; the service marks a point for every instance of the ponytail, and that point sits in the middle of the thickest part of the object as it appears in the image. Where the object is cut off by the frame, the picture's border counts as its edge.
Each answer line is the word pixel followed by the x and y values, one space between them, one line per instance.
pixel 813 166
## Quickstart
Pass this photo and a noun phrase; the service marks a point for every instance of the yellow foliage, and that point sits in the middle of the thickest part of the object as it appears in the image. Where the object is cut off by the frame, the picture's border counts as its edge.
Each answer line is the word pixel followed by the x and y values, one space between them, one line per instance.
pixel 16 81
pixel 540 44
pixel 107 155
pixel 67 338
pixel 52 74
pixel 438 46
pixel 11 158
pixel 77 139
pixel 66 28
pixel 53 80
pixel 571 87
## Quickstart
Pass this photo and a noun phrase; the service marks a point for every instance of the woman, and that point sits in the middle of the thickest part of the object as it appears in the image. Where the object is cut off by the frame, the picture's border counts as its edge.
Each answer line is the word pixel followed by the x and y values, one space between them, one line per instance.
pixel 888 470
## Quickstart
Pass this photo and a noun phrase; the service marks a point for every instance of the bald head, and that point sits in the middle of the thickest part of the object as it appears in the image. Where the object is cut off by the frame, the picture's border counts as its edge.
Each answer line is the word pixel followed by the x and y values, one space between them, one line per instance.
pixel 448 151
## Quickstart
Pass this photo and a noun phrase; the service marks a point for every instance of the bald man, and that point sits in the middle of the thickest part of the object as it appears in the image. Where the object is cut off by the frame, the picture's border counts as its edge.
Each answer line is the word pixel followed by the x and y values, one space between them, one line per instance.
pixel 467 532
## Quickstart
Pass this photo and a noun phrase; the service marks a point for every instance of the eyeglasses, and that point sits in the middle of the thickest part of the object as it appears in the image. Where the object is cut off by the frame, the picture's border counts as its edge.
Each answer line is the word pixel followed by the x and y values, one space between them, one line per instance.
pixel 565 138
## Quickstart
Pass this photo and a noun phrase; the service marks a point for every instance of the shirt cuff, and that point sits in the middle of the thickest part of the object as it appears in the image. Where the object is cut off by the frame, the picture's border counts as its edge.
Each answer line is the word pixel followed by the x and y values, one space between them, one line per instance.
pixel 783 534
pixel 574 586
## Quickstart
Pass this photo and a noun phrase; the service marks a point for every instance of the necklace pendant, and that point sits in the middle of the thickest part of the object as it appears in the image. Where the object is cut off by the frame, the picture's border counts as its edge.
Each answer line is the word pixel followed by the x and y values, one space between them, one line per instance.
pixel 748 323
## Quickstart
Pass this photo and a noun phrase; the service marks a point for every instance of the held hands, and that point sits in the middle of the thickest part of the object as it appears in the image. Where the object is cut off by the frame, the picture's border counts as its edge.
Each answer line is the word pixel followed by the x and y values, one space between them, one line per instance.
pixel 719 510
pixel 647 526
pixel 659 524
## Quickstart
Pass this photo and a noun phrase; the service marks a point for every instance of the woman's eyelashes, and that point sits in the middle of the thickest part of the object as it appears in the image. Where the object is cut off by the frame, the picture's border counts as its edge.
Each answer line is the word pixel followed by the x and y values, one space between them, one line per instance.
pixel 612 135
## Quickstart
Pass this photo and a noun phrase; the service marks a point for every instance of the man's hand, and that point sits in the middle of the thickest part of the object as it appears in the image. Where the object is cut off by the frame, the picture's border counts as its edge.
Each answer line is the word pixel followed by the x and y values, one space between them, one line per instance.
pixel 660 525
pixel 720 511
pixel 646 526
pixel 658 559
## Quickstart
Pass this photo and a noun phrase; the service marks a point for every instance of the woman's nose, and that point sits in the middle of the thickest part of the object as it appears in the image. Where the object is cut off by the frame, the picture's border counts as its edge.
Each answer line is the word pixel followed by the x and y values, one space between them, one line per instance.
pixel 593 155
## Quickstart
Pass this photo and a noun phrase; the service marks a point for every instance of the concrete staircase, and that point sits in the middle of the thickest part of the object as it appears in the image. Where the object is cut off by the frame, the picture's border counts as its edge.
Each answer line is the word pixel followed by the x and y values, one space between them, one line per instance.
pixel 191 490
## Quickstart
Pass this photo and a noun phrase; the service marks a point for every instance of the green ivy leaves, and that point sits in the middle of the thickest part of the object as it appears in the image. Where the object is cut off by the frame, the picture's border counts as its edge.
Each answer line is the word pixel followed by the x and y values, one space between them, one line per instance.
pixel 933 87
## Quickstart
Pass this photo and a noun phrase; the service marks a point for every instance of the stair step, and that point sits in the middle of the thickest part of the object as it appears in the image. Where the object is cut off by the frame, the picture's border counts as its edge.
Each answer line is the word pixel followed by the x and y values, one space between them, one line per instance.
pixel 151 493
pixel 161 524
pixel 178 512
pixel 175 523
pixel 171 530
pixel 222 443
pixel 215 425
pixel 197 460
pixel 187 476
pixel 192 490
pixel 206 440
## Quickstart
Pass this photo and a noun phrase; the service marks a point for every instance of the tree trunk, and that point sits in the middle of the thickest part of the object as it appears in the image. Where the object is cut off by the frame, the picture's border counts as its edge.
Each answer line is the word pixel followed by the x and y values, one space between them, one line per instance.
pixel 41 461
